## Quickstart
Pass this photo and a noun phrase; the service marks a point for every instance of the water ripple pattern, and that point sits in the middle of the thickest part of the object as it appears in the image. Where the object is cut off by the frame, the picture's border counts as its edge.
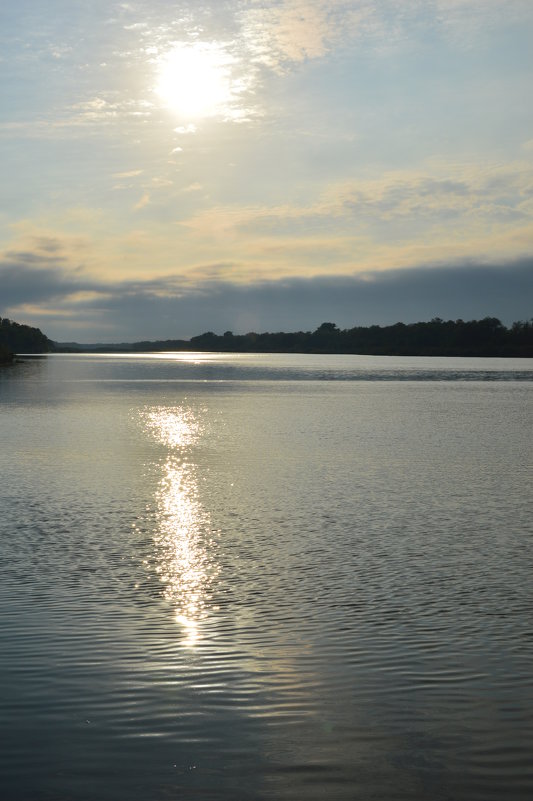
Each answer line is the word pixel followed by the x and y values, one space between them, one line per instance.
pixel 266 578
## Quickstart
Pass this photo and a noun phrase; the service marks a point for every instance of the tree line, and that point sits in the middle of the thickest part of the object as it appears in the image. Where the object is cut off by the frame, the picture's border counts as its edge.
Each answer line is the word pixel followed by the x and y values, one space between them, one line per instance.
pixel 19 338
pixel 487 337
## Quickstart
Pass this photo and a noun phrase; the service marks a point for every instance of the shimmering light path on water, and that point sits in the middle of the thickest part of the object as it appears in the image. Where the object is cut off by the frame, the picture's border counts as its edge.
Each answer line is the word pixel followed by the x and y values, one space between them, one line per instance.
pixel 266 577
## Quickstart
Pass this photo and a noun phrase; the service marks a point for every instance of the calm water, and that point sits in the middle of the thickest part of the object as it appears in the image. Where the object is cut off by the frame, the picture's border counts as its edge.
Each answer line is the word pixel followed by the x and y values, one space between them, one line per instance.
pixel 246 577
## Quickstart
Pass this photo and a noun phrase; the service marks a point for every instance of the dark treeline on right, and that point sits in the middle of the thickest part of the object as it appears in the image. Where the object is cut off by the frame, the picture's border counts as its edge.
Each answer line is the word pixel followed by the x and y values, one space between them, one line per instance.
pixel 487 337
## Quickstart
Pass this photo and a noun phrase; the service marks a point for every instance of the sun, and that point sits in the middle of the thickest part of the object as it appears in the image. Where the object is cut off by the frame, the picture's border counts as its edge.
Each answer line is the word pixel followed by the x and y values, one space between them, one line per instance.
pixel 194 80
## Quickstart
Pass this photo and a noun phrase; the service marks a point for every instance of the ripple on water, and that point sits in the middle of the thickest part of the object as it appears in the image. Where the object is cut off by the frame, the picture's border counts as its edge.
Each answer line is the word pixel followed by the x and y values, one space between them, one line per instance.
pixel 268 593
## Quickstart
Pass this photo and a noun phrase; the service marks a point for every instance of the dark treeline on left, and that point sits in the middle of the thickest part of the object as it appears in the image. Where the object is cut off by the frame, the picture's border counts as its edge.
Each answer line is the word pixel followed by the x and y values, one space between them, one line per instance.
pixel 19 338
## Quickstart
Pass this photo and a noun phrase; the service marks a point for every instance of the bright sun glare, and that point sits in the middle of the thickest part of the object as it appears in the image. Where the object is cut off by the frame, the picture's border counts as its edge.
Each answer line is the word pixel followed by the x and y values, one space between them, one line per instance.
pixel 194 80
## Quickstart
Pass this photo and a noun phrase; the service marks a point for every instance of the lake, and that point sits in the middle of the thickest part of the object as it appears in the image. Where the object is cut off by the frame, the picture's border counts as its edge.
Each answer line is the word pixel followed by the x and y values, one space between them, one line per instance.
pixel 237 577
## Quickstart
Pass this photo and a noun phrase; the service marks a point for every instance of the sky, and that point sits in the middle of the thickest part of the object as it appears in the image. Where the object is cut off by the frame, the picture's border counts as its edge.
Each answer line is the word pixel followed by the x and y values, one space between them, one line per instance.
pixel 170 168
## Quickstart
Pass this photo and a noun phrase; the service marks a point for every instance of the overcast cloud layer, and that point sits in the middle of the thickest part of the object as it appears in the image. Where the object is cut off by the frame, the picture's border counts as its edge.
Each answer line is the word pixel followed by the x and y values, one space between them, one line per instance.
pixel 171 168
pixel 162 309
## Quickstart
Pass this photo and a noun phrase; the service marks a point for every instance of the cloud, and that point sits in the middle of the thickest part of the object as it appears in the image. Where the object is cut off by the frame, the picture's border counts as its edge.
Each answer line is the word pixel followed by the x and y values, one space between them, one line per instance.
pixel 464 20
pixel 128 174
pixel 143 201
pixel 291 31
pixel 400 218
pixel 115 66
pixel 442 213
pixel 40 269
pixel 467 193
pixel 69 306
pixel 77 120
pixel 29 280
pixel 281 34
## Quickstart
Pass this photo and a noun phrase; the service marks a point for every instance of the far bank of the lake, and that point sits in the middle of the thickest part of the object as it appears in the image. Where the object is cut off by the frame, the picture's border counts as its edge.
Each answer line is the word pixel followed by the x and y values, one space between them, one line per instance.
pixel 474 338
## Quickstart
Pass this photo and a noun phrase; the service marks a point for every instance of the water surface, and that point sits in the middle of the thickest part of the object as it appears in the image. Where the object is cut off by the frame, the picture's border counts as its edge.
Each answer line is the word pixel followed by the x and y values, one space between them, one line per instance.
pixel 230 576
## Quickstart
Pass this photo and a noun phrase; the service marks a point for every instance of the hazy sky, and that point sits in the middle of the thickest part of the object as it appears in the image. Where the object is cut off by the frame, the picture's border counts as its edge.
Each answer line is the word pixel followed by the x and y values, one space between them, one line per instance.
pixel 174 167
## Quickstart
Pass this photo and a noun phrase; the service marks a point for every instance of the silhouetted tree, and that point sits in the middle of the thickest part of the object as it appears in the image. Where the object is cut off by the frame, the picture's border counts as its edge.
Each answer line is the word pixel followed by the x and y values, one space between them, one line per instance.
pixel 21 338
pixel 438 337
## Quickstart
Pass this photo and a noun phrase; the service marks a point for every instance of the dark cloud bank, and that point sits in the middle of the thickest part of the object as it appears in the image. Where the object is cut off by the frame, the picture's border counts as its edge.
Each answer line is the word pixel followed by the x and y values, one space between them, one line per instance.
pixel 161 309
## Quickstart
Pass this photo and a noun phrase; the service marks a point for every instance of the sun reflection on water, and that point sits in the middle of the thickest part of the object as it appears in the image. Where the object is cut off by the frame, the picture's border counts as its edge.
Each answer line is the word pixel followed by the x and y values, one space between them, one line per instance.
pixel 183 541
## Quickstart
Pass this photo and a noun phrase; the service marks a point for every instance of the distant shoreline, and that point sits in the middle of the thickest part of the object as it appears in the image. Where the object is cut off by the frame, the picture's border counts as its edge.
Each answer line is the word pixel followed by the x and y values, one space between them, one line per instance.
pixel 487 337
pixel 474 338
pixel 105 349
